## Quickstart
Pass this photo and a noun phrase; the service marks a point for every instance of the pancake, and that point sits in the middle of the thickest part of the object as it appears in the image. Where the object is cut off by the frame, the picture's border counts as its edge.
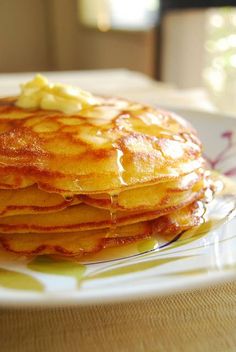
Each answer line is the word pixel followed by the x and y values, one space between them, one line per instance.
pixel 84 217
pixel 117 144
pixel 32 200
pixel 87 242
pixel 80 173
pixel 157 196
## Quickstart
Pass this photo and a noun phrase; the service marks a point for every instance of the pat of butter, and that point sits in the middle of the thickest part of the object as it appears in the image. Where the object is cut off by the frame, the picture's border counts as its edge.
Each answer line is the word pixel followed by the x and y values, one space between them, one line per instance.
pixel 40 94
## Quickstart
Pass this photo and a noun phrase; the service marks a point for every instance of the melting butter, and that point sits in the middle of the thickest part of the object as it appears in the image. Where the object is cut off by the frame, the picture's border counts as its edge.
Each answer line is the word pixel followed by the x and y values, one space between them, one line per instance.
pixel 40 94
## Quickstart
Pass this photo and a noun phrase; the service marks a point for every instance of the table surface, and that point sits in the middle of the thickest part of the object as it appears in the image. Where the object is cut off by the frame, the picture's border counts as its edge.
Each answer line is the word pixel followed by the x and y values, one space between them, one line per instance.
pixel 199 320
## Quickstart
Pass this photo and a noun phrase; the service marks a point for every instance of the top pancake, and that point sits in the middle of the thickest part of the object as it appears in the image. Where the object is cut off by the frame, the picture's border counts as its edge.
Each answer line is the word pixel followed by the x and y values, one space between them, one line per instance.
pixel 107 147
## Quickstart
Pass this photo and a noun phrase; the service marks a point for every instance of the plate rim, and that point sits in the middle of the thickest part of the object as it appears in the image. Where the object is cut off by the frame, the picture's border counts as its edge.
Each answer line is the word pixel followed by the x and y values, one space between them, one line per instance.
pixel 201 281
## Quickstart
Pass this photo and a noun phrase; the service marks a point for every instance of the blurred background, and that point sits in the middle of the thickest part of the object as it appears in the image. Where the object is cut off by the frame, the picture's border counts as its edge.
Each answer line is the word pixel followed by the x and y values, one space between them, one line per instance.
pixel 184 43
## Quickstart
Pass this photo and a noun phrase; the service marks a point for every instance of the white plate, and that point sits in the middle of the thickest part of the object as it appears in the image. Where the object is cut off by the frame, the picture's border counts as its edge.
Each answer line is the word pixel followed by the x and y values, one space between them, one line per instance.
pixel 187 263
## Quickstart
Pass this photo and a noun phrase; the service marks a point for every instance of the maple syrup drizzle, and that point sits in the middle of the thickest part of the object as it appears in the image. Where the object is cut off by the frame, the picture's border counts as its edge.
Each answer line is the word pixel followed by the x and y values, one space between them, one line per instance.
pixel 113 214
pixel 115 195
pixel 120 167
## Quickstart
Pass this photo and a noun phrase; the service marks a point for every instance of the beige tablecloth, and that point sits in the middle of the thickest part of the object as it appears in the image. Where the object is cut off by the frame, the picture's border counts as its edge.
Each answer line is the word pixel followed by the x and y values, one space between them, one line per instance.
pixel 201 320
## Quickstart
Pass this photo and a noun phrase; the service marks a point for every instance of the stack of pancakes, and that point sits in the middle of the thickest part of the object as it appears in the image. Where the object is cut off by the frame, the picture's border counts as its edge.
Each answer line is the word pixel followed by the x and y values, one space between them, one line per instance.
pixel 115 173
